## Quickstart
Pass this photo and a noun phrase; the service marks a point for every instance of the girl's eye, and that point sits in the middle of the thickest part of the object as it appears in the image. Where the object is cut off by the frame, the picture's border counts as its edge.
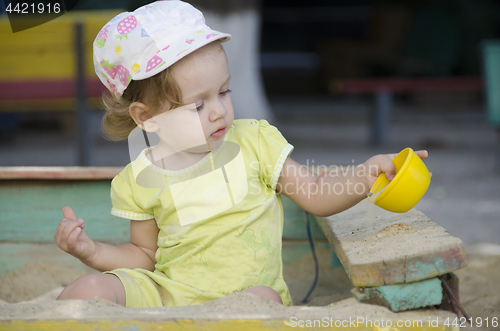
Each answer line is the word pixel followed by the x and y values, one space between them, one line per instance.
pixel 200 107
pixel 225 92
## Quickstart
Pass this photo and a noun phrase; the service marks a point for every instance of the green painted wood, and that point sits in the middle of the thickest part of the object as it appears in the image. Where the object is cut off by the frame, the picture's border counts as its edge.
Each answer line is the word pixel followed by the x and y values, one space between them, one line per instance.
pixel 295 251
pixel 334 259
pixel 295 225
pixel 377 247
pixel 401 297
pixel 31 210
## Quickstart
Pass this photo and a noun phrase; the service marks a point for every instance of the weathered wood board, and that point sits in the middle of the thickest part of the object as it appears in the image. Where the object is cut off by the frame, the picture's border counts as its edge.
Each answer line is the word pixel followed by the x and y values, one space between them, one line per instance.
pixel 236 311
pixel 31 201
pixel 30 210
pixel 62 173
pixel 377 247
pixel 225 323
pixel 401 297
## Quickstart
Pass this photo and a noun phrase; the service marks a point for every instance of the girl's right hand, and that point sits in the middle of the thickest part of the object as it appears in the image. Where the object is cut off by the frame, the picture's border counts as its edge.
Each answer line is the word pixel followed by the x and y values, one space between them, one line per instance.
pixel 71 238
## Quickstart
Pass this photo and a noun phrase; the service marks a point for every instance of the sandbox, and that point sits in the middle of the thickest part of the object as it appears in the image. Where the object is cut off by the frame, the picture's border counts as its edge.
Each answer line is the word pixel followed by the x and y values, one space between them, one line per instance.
pixel 330 303
pixel 33 271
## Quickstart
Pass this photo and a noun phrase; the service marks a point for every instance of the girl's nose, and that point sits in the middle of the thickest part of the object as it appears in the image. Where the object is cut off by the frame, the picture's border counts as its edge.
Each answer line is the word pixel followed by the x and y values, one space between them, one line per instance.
pixel 217 111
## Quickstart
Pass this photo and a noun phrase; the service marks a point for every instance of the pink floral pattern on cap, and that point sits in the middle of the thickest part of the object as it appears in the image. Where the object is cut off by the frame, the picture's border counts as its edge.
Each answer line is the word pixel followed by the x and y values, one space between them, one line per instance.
pixel 148 40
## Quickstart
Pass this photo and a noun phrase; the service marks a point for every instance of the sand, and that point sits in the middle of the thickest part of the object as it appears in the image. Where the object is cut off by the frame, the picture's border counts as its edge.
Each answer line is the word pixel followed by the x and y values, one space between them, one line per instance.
pixel 480 288
pixel 29 293
pixel 35 280
pixel 369 234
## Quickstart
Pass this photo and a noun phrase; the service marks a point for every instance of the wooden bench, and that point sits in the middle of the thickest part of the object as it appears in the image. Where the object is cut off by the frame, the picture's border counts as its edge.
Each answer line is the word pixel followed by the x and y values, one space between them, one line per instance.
pixel 39 67
pixel 50 68
pixel 396 256
pixel 384 88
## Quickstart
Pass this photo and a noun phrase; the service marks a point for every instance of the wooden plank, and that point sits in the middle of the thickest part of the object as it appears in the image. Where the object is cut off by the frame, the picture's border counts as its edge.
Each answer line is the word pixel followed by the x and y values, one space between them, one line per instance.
pixel 47 51
pixel 48 89
pixel 31 210
pixel 191 324
pixel 401 297
pixel 39 193
pixel 48 66
pixel 84 173
pixel 377 247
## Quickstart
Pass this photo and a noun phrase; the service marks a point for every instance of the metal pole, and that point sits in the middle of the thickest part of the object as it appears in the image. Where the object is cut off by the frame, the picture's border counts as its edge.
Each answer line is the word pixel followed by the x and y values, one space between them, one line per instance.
pixel 84 137
pixel 381 118
pixel 497 152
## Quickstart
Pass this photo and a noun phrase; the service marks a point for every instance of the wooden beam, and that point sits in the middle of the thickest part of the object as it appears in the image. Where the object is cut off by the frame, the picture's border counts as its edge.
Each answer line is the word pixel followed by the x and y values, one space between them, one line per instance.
pixel 62 173
pixel 191 324
pixel 42 89
pixel 31 209
pixel 401 297
pixel 377 247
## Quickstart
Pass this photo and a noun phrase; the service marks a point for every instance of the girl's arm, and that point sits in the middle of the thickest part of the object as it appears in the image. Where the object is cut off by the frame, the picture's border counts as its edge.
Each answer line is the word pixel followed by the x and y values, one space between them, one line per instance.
pixel 139 253
pixel 333 191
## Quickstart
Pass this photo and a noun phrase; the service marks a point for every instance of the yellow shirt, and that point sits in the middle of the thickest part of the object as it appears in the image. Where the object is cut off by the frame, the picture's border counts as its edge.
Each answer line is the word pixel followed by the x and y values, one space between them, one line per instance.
pixel 220 220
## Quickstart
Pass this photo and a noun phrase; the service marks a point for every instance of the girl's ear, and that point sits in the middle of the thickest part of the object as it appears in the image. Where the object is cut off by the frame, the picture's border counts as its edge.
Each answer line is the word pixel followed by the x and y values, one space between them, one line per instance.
pixel 140 115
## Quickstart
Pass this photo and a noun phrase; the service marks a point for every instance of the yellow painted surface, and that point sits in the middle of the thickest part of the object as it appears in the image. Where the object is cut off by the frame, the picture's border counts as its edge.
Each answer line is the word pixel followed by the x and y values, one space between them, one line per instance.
pixel 47 51
pixel 186 324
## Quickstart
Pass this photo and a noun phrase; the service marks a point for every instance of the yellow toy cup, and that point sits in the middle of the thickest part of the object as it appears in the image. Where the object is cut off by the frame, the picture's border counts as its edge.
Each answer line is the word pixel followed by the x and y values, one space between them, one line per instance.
pixel 408 186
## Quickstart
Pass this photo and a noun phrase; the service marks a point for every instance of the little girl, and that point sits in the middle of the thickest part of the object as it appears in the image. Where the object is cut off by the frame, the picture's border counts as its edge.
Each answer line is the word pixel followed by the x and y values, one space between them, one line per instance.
pixel 204 201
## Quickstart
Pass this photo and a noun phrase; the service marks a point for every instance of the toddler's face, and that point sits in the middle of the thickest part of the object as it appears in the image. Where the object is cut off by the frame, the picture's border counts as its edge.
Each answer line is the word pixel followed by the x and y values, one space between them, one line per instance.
pixel 203 78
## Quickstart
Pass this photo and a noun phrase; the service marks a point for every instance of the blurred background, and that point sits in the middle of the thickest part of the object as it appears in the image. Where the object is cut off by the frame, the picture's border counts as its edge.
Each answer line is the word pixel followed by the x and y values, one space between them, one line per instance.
pixel 341 79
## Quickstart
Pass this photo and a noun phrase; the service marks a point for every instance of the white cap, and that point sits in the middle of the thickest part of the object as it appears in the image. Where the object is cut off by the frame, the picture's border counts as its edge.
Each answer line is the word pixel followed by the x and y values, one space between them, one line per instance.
pixel 138 45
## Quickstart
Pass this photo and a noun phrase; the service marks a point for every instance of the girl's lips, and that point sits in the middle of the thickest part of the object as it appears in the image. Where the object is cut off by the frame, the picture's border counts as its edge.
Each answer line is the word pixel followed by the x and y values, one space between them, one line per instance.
pixel 218 133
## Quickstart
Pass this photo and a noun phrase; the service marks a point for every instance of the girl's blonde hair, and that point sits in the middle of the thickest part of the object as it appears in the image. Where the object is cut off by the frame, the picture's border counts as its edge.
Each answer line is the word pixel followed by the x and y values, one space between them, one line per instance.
pixel 153 92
